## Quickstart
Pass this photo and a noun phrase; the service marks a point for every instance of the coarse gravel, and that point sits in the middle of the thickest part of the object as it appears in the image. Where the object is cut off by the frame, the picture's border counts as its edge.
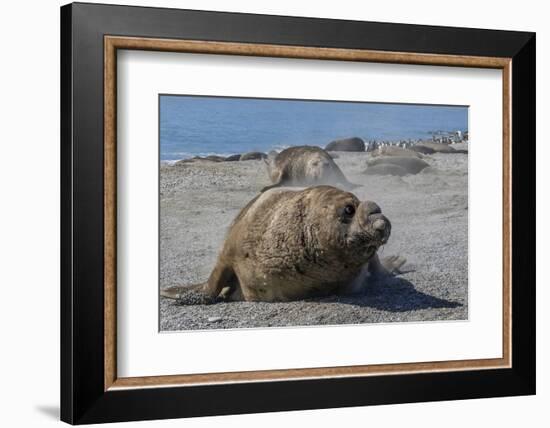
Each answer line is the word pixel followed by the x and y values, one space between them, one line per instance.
pixel 429 215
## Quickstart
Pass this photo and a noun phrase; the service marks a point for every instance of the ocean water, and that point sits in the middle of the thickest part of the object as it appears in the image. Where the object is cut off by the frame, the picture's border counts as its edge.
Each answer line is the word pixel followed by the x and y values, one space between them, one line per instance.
pixel 197 125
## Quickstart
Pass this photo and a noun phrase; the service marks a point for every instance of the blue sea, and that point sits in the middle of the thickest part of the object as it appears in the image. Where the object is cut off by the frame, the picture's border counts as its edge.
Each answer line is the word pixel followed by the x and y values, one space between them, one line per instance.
pixel 197 125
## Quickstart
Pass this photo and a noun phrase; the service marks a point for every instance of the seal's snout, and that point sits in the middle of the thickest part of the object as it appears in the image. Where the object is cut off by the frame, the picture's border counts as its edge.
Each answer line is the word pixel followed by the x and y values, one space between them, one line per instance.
pixel 373 220
pixel 368 212
pixel 382 227
pixel 379 224
pixel 370 208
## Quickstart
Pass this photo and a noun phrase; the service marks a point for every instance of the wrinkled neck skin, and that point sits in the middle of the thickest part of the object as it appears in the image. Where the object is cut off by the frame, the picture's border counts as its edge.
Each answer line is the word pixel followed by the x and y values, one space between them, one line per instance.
pixel 350 246
pixel 347 247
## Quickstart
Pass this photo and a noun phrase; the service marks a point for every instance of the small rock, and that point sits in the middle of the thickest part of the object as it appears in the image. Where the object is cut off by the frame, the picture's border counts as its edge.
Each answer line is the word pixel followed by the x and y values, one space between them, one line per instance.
pixel 184 161
pixel 214 158
pixel 214 319
pixel 253 156
pixel 233 158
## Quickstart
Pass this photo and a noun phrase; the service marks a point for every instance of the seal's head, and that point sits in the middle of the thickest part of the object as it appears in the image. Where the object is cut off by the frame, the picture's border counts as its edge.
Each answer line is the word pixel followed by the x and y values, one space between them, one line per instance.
pixel 318 167
pixel 353 229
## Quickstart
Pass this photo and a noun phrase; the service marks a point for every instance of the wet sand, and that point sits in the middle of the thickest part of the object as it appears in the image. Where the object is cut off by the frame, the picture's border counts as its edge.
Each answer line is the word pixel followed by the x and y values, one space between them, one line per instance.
pixel 429 215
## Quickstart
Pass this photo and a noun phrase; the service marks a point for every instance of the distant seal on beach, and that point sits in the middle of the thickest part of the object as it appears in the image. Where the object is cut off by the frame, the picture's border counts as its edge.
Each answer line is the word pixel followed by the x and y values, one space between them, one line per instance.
pixel 386 169
pixel 289 244
pixel 396 151
pixel 422 149
pixel 437 148
pixel 409 164
pixel 354 144
pixel 212 158
pixel 209 158
pixel 304 166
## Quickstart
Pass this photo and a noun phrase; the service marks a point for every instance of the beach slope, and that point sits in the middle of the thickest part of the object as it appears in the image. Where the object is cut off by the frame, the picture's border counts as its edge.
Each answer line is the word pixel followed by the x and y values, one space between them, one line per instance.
pixel 429 215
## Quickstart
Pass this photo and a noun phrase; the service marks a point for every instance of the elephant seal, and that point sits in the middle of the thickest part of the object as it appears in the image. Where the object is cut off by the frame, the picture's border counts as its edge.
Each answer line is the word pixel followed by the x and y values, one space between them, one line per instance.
pixel 442 148
pixel 422 149
pixel 209 158
pixel 410 165
pixel 396 151
pixel 386 169
pixel 289 244
pixel 304 166
pixel 437 147
pixel 213 158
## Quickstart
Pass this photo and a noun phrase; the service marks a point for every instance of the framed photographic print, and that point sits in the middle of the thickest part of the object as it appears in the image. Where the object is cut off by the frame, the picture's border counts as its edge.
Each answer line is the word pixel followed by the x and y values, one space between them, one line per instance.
pixel 266 213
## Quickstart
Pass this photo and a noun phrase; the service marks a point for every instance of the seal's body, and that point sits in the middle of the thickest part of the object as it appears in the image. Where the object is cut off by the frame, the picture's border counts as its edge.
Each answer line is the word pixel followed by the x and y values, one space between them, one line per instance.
pixel 439 147
pixel 396 151
pixel 304 166
pixel 289 244
pixel 386 169
pixel 409 165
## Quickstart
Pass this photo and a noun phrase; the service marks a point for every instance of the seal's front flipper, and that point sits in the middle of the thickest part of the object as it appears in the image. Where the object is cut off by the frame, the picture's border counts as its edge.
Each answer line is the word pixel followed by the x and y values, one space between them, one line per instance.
pixel 389 265
pixel 393 264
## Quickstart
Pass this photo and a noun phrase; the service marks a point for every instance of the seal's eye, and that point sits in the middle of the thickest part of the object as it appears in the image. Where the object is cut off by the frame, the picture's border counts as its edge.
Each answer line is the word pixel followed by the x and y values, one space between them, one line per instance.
pixel 349 210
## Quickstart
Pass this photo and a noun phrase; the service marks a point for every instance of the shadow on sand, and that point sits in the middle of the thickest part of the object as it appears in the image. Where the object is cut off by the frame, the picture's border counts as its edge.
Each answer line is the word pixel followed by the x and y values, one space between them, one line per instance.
pixel 393 294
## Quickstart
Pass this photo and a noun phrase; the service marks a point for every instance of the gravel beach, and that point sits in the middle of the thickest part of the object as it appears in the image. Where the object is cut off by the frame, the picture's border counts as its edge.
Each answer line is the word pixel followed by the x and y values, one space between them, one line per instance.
pixel 429 215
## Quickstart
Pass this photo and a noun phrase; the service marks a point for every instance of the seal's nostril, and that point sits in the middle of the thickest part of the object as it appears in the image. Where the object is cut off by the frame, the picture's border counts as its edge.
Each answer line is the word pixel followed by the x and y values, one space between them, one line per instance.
pixel 371 208
pixel 379 224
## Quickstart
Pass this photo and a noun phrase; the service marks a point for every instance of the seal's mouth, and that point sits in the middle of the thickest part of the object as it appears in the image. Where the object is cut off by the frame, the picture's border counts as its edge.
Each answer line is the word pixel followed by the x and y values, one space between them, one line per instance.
pixel 377 228
pixel 371 235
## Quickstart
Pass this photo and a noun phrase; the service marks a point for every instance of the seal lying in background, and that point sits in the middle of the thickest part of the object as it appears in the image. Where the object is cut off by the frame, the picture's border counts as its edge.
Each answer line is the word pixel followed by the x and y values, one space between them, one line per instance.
pixel 428 146
pixel 386 169
pixel 406 165
pixel 304 166
pixel 289 244
pixel 396 151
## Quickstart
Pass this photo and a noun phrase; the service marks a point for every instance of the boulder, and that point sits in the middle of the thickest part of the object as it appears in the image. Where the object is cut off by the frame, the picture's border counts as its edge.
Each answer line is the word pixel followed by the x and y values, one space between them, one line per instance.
pixel 233 158
pixel 354 144
pixel 253 156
